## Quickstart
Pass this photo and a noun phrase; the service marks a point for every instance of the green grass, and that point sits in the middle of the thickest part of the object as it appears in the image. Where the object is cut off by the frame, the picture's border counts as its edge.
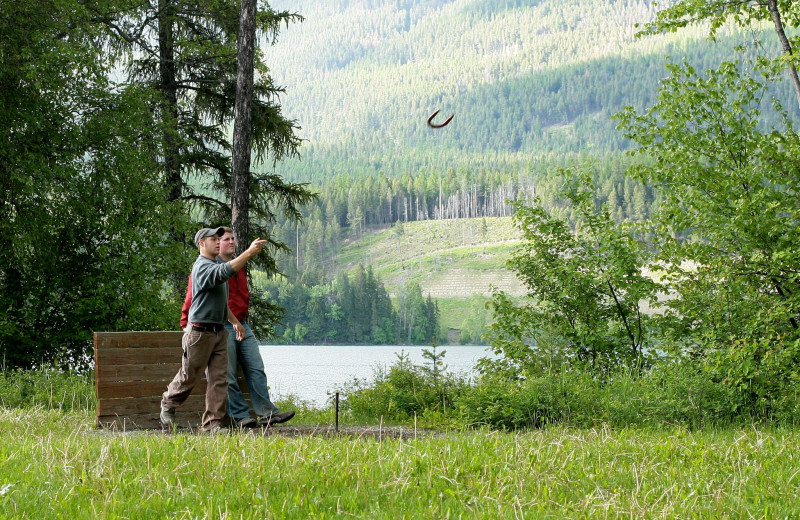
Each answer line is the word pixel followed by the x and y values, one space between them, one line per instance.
pixel 46 387
pixel 452 312
pixel 54 464
pixel 433 248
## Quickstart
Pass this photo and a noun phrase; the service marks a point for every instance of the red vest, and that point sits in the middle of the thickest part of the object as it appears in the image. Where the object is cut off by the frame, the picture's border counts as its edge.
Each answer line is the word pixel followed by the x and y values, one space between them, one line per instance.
pixel 238 298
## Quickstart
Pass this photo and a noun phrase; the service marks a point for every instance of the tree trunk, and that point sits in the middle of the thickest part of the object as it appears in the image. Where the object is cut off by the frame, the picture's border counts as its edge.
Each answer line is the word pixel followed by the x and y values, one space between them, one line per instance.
pixel 772 5
pixel 169 89
pixel 168 84
pixel 240 189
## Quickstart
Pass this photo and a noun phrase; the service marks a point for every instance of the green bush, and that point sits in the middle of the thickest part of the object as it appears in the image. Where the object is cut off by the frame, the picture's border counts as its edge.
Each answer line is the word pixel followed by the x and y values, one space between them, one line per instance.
pixel 403 392
pixel 671 393
pixel 552 398
pixel 760 374
pixel 679 392
pixel 46 387
pixel 683 393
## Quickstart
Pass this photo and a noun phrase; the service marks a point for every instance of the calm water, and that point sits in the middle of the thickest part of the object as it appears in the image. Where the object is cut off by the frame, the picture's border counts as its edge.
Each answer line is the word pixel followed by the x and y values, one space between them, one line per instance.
pixel 312 372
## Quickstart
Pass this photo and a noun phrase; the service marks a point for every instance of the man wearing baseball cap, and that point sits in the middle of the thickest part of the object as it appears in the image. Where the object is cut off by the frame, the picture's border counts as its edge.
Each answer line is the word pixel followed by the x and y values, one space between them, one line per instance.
pixel 205 341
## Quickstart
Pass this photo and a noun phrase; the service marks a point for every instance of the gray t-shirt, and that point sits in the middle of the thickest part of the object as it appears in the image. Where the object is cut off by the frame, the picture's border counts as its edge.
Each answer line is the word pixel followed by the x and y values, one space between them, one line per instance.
pixel 209 291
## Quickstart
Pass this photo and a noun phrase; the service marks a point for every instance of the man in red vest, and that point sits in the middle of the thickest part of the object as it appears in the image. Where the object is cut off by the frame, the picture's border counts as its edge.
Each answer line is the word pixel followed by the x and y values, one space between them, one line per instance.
pixel 205 338
pixel 244 351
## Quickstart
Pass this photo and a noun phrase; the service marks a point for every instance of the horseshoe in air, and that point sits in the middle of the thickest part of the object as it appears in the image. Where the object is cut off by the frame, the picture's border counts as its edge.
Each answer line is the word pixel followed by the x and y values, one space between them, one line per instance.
pixel 434 125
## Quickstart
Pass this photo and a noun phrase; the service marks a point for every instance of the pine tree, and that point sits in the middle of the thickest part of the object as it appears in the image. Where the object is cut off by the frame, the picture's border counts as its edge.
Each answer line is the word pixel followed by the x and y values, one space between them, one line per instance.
pixel 186 51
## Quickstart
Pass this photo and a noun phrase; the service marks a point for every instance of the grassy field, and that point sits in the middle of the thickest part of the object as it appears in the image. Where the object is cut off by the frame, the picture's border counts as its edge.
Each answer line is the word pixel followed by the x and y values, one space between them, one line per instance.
pixel 55 464
pixel 448 258
pixel 451 260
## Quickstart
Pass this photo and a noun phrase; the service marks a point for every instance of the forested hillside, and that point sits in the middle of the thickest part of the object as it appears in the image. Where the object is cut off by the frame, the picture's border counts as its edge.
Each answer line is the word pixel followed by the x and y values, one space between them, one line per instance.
pixel 527 81
pixel 533 86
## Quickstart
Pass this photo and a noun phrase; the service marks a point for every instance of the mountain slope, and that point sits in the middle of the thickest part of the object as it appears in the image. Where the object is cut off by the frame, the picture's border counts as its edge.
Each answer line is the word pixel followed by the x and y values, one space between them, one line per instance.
pixel 447 258
pixel 524 78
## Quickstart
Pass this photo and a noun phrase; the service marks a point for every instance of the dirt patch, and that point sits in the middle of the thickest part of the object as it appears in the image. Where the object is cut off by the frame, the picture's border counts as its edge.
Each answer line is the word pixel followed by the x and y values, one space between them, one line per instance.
pixel 377 432
pixel 373 432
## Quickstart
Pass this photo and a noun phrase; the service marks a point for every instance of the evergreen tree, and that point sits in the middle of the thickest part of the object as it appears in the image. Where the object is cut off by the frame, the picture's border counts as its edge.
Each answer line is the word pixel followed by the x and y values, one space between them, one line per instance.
pixel 82 197
pixel 187 52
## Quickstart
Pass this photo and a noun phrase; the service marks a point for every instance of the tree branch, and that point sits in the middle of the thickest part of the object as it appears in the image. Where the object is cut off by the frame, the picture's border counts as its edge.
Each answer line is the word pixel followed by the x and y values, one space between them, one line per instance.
pixel 772 5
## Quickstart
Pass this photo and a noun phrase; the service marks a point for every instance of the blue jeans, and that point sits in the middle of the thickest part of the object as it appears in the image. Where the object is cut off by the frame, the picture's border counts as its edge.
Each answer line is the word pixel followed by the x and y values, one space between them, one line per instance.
pixel 246 354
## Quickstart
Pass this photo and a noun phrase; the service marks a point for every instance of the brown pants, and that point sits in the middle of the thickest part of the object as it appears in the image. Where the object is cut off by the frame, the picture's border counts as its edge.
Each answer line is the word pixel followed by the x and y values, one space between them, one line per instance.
pixel 202 351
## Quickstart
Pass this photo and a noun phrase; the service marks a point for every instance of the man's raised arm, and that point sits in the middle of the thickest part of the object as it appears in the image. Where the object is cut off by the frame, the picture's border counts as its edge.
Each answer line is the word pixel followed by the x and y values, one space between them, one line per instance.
pixel 254 249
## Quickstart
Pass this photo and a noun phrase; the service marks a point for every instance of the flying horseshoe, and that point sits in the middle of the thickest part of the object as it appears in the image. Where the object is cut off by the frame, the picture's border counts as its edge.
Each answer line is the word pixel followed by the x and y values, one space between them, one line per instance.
pixel 433 125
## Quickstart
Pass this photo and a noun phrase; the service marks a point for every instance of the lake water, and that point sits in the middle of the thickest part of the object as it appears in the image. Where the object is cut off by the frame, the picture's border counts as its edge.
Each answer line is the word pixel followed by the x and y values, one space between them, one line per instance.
pixel 312 373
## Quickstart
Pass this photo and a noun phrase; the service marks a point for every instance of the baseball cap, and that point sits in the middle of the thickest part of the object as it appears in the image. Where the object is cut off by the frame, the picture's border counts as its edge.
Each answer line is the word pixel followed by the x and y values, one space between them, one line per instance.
pixel 208 232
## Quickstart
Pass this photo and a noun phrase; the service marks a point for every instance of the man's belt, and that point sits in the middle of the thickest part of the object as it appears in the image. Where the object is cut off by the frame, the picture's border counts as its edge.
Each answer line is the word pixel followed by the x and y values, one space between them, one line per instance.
pixel 207 327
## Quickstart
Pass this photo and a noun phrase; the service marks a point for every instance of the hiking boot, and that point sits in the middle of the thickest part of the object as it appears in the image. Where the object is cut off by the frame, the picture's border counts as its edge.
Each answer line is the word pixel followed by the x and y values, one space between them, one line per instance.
pixel 245 422
pixel 276 417
pixel 167 416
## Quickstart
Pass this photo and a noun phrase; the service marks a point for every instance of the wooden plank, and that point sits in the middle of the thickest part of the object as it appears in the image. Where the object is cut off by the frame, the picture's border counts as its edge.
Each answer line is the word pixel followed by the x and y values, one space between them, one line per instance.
pixel 136 356
pixel 143 339
pixel 143 405
pixel 121 389
pixel 139 372
pixel 112 389
pixel 160 372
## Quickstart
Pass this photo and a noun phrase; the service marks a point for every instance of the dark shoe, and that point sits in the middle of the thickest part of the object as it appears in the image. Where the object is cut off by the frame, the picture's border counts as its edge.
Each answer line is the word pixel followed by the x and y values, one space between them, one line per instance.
pixel 167 416
pixel 275 418
pixel 245 422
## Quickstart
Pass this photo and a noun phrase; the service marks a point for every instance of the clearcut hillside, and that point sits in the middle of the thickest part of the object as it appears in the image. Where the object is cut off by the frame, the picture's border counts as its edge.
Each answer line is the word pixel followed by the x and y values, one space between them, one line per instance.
pixel 450 259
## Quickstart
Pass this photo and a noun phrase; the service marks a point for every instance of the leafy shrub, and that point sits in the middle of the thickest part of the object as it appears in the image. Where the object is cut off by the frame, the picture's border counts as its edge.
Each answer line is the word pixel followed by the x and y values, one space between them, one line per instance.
pixel 401 393
pixel 584 282
pixel 672 393
pixel 565 397
pixel 786 408
pixel 760 375
pixel 683 393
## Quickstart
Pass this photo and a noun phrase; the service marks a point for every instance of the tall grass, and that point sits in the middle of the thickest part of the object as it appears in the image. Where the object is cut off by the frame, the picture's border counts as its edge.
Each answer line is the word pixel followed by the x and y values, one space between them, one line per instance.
pixel 47 387
pixel 405 394
pixel 657 447
pixel 53 464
